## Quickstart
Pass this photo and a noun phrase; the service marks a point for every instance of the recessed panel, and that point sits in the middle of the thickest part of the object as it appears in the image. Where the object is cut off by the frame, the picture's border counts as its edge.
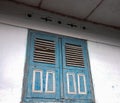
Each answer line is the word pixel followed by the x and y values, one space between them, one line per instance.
pixel 71 83
pixel 50 82
pixel 37 81
pixel 81 84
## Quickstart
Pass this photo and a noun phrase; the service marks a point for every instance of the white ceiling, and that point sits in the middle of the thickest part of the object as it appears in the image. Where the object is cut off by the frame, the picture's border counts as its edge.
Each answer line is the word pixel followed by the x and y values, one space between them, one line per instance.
pixel 108 12
pixel 99 11
pixel 76 8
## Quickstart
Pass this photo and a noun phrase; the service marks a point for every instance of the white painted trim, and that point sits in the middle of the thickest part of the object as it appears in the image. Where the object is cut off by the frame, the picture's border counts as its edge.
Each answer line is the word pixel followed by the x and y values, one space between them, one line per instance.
pixel 74 83
pixel 46 86
pixel 33 83
pixel 79 92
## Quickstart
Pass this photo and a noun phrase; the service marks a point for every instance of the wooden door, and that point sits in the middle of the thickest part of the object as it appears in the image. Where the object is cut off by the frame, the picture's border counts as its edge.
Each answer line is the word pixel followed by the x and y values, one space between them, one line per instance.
pixel 43 72
pixel 76 74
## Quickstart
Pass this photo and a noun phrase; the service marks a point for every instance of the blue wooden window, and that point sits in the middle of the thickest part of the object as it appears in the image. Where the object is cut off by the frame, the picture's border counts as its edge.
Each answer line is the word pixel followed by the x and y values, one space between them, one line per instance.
pixel 57 70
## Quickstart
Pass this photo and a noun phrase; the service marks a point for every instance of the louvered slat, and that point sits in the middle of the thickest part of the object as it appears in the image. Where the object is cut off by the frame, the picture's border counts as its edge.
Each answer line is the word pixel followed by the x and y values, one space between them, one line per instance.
pixel 74 55
pixel 44 51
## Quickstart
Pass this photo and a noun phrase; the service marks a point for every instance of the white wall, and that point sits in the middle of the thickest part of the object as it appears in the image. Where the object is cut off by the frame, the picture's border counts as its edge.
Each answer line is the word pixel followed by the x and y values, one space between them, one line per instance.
pixel 12 58
pixel 105 67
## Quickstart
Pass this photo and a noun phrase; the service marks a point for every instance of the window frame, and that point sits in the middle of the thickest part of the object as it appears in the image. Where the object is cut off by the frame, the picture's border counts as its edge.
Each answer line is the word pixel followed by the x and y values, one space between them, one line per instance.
pixel 26 97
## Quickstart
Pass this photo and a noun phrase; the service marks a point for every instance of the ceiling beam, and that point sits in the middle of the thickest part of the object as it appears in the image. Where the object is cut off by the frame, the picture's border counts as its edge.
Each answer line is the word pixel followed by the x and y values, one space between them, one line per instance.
pixel 65 15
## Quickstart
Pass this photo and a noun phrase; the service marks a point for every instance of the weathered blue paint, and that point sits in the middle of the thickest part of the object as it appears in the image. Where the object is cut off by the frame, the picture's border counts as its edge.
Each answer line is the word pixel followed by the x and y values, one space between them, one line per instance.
pixel 82 85
pixel 44 67
pixel 76 71
pixel 37 81
pixel 64 75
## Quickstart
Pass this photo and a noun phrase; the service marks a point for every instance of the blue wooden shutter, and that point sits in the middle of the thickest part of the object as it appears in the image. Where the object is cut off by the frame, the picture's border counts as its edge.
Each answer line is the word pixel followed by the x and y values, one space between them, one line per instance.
pixel 43 70
pixel 75 70
pixel 57 70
